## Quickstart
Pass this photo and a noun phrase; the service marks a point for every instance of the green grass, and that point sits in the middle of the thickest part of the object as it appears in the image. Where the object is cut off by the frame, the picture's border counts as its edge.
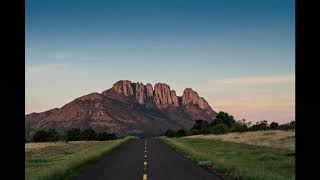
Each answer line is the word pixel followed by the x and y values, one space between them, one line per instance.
pixel 66 160
pixel 240 161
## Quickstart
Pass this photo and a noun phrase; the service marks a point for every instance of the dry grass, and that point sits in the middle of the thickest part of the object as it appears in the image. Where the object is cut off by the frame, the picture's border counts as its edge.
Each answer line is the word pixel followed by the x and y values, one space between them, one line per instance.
pixel 60 160
pixel 271 138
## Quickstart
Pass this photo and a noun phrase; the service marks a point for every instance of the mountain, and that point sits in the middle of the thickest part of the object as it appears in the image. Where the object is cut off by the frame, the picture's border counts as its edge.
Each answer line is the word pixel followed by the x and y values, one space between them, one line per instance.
pixel 126 108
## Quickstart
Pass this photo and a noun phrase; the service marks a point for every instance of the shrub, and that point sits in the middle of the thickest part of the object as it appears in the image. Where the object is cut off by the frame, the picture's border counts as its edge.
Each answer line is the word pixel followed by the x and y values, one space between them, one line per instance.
pixel 200 125
pixel 274 125
pixel 40 136
pixel 219 129
pixel 181 132
pixel 262 125
pixel 112 136
pixel 194 132
pixel 170 133
pixel 292 124
pixel 102 136
pixel 53 135
pixel 88 134
pixel 73 134
pixel 224 118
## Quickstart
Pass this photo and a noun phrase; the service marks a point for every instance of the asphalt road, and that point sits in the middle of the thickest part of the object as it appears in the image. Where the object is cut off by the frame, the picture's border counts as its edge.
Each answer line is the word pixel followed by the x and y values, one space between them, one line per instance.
pixel 149 159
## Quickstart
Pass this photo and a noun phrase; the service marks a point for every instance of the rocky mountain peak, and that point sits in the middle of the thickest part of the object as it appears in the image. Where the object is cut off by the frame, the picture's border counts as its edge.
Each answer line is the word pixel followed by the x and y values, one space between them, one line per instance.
pixel 191 97
pixel 127 108
pixel 123 87
pixel 164 96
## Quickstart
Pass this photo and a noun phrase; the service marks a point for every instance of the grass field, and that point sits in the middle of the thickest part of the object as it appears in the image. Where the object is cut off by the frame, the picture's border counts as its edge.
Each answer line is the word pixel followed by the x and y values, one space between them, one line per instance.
pixel 236 159
pixel 271 138
pixel 60 160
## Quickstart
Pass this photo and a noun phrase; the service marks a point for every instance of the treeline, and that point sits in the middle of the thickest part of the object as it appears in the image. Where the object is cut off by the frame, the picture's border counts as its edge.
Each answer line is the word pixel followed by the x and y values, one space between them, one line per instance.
pixel 225 123
pixel 74 134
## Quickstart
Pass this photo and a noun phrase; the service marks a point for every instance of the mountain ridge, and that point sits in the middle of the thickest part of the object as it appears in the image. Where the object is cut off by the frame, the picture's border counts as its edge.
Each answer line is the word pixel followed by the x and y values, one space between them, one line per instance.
pixel 125 108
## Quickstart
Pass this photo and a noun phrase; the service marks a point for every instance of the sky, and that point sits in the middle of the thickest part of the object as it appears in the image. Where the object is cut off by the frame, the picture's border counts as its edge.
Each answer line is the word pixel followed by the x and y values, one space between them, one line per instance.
pixel 238 55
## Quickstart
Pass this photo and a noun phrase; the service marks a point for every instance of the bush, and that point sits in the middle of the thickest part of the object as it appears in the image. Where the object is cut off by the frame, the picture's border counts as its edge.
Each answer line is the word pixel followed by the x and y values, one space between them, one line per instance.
pixel 40 136
pixel 53 135
pixel 104 136
pixel 170 133
pixel 219 129
pixel 292 124
pixel 194 132
pixel 88 134
pixel 274 125
pixel 73 134
pixel 262 125
pixel 240 126
pixel 200 125
pixel 112 136
pixel 181 132
pixel 224 118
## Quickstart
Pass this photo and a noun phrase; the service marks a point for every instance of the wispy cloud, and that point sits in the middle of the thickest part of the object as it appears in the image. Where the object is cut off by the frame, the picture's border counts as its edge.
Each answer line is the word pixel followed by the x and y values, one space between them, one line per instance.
pixel 60 55
pixel 264 80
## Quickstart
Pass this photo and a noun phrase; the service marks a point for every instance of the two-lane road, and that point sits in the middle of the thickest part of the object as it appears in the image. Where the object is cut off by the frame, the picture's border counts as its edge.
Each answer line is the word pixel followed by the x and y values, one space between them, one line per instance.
pixel 145 159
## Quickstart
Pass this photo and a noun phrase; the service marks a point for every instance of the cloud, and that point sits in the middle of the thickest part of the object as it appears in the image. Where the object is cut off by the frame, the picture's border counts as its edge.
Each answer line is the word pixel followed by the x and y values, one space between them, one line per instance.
pixel 60 55
pixel 262 80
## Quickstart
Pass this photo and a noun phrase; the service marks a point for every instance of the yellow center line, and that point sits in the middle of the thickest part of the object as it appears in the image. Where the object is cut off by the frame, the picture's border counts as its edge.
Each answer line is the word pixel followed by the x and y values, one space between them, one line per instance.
pixel 145 161
pixel 144 176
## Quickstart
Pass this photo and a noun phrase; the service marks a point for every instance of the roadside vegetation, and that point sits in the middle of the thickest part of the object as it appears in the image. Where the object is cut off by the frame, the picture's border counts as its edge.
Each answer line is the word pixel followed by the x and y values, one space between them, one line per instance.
pixel 74 134
pixel 239 149
pixel 60 160
pixel 237 160
pixel 225 123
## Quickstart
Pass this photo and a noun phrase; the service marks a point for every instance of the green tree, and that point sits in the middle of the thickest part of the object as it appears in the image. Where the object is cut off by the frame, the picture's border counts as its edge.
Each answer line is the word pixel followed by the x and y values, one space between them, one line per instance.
pixel 219 129
pixel 224 118
pixel 102 136
pixel 88 134
pixel 200 125
pixel 292 124
pixel 262 125
pixel 53 135
pixel 40 136
pixel 73 134
pixel 274 125
pixel 112 136
pixel 170 133
pixel 240 126
pixel 181 132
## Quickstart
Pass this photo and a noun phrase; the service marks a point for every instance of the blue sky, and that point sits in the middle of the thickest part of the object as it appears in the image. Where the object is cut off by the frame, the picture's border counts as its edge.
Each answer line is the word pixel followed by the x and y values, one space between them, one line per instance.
pixel 239 55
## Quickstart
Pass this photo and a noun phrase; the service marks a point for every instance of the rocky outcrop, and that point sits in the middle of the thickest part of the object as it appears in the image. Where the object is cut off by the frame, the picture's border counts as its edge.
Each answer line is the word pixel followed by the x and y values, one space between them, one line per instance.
pixel 191 97
pixel 164 97
pixel 149 90
pixel 161 95
pixel 123 87
pixel 140 93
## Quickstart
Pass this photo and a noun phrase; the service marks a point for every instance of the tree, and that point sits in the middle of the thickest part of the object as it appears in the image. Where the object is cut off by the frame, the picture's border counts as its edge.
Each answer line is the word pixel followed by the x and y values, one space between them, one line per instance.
pixel 274 125
pixel 53 135
pixel 240 126
pixel 262 125
pixel 181 132
pixel 219 129
pixel 112 136
pixel 102 136
pixel 88 134
pixel 200 125
pixel 40 136
pixel 170 133
pixel 224 118
pixel 292 124
pixel 73 134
